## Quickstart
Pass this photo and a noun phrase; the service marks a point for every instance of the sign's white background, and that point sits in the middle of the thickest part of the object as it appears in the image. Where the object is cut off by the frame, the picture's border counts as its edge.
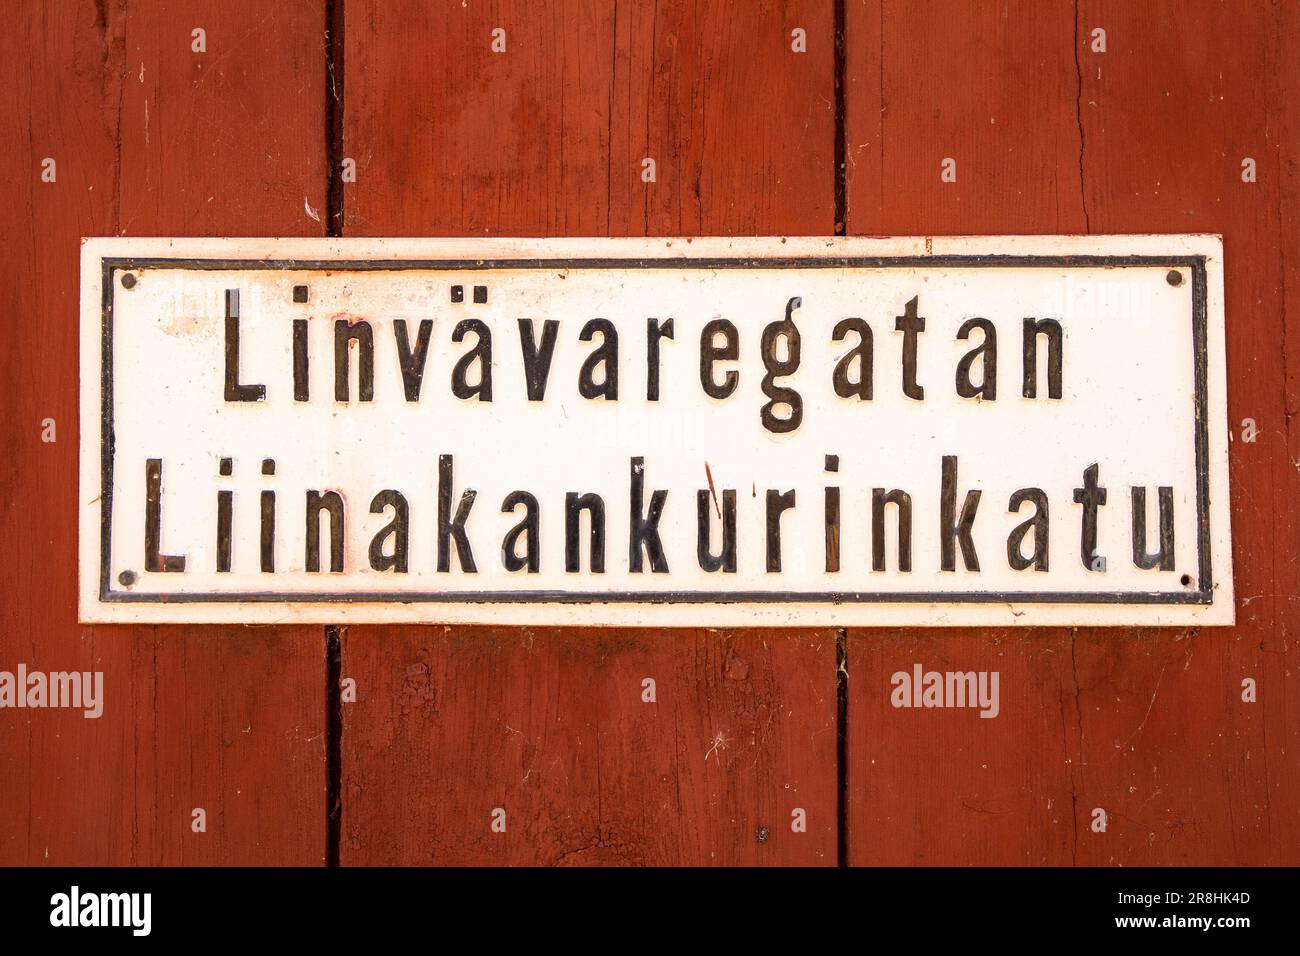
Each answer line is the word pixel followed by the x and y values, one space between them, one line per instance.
pixel 1127 405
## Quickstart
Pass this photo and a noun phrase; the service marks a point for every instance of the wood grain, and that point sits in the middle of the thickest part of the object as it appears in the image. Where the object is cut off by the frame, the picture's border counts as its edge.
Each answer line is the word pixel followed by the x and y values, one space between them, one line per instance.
pixel 550 726
pixel 991 86
pixel 150 138
pixel 1207 779
pixel 548 139
pixel 1148 724
pixel 1282 713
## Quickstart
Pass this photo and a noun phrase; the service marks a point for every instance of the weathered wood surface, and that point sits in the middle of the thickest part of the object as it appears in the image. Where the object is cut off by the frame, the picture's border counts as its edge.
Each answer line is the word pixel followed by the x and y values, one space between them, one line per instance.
pixel 548 138
pixel 149 138
pixel 1148 725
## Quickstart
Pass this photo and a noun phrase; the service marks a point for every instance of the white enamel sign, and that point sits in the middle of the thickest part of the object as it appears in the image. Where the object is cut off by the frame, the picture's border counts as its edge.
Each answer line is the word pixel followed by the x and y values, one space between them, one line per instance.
pixel 993 430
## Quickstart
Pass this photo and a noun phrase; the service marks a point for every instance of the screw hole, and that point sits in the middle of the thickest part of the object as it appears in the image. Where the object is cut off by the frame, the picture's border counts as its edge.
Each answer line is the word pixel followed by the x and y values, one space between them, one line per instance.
pixel 1186 579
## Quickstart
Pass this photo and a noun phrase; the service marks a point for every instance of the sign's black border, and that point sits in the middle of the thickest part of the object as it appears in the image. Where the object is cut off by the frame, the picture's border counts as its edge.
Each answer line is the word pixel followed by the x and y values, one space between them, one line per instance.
pixel 1202 594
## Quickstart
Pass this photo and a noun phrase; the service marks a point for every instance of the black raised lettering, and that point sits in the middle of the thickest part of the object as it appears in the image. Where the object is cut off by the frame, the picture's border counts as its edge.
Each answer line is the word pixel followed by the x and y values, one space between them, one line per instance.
pixel 777 332
pixel 330 502
pixel 725 560
pixel 643 530
pixel 537 360
pixel 235 392
pixel 777 504
pixel 526 529
pixel 987 352
pixel 1037 523
pixel 574 505
pixel 902 503
pixel 911 325
pixel 654 332
pixel 412 361
pixel 1033 329
pixel 1164 558
pixel 345 333
pixel 711 352
pixel 480 353
pixel 398 529
pixel 1092 497
pixel 841 378
pixel 605 357
pixel 154 560
pixel 952 529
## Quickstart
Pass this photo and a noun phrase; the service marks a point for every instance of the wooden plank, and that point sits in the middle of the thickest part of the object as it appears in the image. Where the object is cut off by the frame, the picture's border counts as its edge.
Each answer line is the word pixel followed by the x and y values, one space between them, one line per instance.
pixel 549 725
pixel 150 138
pixel 741 128
pixel 991 87
pixel 450 138
pixel 1147 725
pixel 1194 774
pixel 947 787
pixel 1282 709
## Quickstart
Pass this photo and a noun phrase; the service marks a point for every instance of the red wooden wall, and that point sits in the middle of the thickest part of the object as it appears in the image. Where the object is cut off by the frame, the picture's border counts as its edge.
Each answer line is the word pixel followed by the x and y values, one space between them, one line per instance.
pixel 547 138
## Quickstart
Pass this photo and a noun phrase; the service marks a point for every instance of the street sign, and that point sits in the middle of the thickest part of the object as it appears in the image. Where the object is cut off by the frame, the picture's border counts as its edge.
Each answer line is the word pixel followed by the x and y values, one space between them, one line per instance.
pixel 992 430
